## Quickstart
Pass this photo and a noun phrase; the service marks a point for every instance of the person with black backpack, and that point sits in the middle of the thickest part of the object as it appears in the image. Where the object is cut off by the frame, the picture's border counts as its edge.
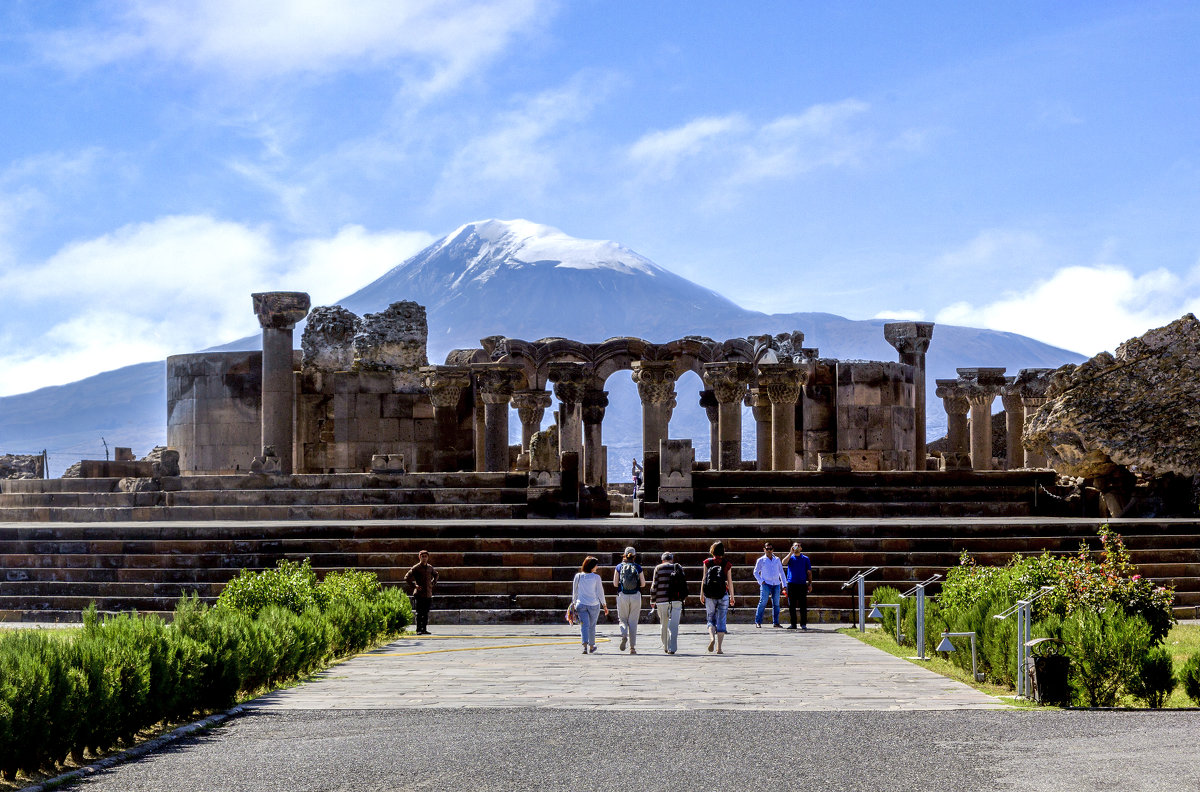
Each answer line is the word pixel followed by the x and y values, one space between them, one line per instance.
pixel 629 580
pixel 716 594
pixel 668 591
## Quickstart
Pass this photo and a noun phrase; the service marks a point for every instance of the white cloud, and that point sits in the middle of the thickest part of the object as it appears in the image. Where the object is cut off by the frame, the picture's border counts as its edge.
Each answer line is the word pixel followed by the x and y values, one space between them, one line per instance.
pixel 173 285
pixel 732 151
pixel 442 41
pixel 902 315
pixel 1086 309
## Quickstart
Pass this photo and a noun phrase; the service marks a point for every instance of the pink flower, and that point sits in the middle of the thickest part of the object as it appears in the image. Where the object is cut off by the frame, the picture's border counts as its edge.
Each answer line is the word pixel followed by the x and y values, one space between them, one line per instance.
pixel 1136 577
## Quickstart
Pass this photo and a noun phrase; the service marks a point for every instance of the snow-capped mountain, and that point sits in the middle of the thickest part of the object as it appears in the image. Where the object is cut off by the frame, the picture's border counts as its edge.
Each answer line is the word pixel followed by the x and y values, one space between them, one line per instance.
pixel 530 281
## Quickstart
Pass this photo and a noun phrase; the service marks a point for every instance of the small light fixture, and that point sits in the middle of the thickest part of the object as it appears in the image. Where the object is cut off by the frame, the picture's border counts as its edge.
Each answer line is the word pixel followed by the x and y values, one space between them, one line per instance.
pixel 947 646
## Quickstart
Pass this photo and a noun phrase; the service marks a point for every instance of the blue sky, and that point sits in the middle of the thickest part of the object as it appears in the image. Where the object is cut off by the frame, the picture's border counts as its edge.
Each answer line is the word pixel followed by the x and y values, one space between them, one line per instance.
pixel 1032 167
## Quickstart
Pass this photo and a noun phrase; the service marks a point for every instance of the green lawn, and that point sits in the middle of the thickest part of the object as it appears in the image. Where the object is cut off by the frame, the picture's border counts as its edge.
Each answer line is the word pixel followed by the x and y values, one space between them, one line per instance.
pixel 1183 641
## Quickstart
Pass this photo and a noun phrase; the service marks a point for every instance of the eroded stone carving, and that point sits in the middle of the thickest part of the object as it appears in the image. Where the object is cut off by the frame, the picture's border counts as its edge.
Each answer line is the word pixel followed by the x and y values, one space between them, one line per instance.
pixel 328 340
pixel 394 340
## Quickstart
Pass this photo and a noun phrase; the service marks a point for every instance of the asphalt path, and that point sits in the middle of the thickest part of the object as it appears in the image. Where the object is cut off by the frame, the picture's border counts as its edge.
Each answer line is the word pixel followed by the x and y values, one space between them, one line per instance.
pixel 547 750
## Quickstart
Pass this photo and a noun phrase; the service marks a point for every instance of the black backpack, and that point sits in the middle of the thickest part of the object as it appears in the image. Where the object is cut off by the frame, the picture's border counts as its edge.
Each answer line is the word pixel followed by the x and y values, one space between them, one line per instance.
pixel 714 579
pixel 677 588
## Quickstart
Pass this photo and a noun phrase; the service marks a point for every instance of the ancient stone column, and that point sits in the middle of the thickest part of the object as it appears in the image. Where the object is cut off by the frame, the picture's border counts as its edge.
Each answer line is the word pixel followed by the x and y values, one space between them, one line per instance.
pixel 570 382
pixel 531 408
pixel 760 407
pixel 954 398
pixel 708 400
pixel 497 382
pixel 819 416
pixel 1014 423
pixel 981 385
pixel 446 385
pixel 782 383
pixel 278 313
pixel 911 340
pixel 594 402
pixel 656 387
pixel 728 382
pixel 1032 384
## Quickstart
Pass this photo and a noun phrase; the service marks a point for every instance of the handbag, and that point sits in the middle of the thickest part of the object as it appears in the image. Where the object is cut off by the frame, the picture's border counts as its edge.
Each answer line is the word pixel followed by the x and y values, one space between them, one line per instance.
pixel 572 614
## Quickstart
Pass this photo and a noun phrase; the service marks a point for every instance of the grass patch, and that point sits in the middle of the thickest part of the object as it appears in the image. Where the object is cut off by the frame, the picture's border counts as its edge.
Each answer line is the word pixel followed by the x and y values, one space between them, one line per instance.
pixel 1182 642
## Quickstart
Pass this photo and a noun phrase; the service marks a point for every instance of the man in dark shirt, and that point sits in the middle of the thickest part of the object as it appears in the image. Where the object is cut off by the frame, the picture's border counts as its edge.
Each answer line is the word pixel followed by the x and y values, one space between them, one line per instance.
pixel 798 570
pixel 422 578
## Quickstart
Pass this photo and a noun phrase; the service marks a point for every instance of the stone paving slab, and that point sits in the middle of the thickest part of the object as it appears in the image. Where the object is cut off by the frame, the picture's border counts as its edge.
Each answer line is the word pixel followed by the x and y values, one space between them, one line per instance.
pixel 486 666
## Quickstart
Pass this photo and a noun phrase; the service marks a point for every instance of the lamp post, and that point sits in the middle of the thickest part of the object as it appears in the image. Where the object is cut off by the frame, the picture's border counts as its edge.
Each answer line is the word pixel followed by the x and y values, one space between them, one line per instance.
pixel 1024 611
pixel 919 590
pixel 862 596
pixel 875 614
pixel 947 646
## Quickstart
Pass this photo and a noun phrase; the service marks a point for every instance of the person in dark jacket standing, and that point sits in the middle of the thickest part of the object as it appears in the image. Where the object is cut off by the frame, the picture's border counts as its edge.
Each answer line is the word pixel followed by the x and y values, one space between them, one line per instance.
pixel 422 578
pixel 799 585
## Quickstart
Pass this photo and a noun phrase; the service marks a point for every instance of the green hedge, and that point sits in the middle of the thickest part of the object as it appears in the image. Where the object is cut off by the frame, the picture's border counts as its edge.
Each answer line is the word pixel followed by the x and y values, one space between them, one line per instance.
pixel 61 695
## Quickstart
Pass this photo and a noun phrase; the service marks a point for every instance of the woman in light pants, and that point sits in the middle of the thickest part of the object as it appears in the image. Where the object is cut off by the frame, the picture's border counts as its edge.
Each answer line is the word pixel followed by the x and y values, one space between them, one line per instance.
pixel 587 594
pixel 629 603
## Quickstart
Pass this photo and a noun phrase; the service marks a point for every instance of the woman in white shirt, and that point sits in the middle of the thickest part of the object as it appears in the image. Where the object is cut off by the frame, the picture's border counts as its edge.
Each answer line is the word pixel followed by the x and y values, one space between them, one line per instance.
pixel 587 593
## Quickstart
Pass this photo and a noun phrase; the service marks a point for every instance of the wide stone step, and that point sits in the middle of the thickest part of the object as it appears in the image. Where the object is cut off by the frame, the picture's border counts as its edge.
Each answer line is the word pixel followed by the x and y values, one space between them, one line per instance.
pixel 757 495
pixel 400 511
pixel 833 509
pixel 407 495
pixel 887 478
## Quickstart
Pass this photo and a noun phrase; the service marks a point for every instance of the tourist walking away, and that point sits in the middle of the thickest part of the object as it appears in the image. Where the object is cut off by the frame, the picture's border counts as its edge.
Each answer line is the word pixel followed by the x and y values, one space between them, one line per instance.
pixel 629 580
pixel 668 591
pixel 716 594
pixel 799 585
pixel 587 593
pixel 422 578
pixel 768 571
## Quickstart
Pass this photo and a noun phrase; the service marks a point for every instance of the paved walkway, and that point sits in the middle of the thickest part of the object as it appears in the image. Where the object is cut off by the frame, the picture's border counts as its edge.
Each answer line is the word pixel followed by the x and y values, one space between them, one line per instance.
pixel 542 667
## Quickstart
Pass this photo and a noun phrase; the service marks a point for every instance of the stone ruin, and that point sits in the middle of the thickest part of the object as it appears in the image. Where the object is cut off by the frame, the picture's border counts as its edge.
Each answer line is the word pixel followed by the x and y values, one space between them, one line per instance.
pixel 1128 423
pixel 22 466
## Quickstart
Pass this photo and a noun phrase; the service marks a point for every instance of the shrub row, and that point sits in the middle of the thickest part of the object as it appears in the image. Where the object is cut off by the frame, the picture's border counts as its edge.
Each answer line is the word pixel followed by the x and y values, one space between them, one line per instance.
pixel 63 694
pixel 1109 618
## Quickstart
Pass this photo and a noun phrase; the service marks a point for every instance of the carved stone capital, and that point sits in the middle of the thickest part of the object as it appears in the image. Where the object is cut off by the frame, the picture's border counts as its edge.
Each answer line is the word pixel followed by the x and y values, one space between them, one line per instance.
pixel 951 392
pixel 570 381
pixel 728 380
pixel 655 380
pixel 981 386
pixel 1033 383
pixel 497 382
pixel 594 402
pixel 280 310
pixel 781 381
pixel 446 383
pixel 708 400
pixel 531 405
pixel 909 338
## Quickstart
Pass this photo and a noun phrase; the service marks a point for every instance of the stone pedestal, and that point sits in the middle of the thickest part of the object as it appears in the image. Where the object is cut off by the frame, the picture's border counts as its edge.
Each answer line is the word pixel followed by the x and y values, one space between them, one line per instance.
pixel 531 408
pixel 911 340
pixel 819 414
pixel 570 382
pixel 782 383
pixel 954 398
pixel 675 474
pixel 760 407
pixel 728 382
pixel 656 388
pixel 1014 425
pixel 278 313
pixel 496 386
pixel 981 386
pixel 446 385
pixel 708 400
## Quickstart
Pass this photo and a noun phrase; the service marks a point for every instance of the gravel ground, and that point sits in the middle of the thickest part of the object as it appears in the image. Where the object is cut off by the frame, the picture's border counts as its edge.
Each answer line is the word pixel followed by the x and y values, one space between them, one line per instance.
pixel 549 750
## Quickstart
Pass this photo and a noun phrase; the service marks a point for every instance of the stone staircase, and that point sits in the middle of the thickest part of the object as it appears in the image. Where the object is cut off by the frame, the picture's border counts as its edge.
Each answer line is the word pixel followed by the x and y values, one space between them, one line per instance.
pixel 884 494
pixel 521 570
pixel 346 496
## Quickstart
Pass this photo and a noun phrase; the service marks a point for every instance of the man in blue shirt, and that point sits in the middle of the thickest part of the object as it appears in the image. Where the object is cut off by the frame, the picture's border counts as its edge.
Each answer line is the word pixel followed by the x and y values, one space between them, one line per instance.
pixel 799 584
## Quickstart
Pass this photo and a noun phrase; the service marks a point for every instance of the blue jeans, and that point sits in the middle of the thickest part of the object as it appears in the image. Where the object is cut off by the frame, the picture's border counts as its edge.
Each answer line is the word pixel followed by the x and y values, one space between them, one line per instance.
pixel 715 612
pixel 588 616
pixel 767 591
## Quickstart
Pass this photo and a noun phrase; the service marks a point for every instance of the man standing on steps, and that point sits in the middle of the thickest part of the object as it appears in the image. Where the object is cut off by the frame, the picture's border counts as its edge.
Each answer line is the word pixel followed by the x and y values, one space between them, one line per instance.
pixel 422 578
pixel 799 585
pixel 768 571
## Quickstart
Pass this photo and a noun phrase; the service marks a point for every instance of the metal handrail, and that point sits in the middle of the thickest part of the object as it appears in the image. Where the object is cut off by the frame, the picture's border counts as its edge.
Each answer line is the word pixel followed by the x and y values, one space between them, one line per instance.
pixel 913 590
pixel 859 575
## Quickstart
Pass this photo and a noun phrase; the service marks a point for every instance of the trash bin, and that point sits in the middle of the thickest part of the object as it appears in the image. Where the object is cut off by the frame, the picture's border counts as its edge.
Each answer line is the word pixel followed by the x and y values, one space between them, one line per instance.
pixel 1048 669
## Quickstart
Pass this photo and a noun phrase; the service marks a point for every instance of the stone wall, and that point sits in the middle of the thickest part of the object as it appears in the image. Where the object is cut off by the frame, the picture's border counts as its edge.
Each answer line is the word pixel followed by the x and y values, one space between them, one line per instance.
pixel 876 414
pixel 213 410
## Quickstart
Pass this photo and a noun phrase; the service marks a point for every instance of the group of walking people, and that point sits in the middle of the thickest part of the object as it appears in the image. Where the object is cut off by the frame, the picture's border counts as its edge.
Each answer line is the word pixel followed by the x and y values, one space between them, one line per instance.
pixel 668 592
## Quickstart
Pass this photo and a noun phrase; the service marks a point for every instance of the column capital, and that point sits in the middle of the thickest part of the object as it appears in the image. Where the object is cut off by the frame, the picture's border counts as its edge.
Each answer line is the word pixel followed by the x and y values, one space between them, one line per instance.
pixel 536 399
pixel 570 380
pixel 708 400
pixel 981 385
pixel 953 396
pixel 781 381
pixel 445 383
pixel 594 402
pixel 909 338
pixel 497 381
pixel 655 380
pixel 280 310
pixel 728 380
pixel 1032 383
